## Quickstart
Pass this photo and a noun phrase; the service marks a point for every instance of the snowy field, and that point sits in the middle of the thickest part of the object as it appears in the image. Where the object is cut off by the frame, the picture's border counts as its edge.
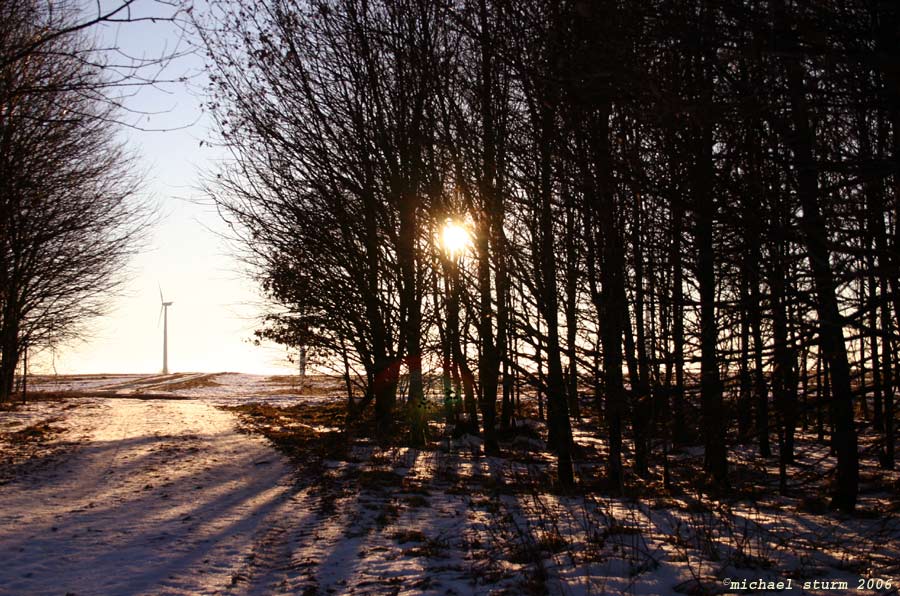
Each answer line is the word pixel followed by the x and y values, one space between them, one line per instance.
pixel 214 389
pixel 146 485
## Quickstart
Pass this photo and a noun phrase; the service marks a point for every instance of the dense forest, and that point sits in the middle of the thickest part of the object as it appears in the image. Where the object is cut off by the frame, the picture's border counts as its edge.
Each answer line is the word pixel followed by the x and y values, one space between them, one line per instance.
pixel 683 215
pixel 582 297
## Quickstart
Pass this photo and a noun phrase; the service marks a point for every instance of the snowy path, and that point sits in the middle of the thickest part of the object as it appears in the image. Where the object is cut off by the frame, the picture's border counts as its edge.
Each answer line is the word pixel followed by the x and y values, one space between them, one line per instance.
pixel 167 497
pixel 163 497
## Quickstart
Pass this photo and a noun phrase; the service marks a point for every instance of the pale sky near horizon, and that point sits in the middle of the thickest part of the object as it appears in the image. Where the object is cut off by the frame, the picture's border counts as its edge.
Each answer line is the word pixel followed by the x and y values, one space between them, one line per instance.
pixel 216 306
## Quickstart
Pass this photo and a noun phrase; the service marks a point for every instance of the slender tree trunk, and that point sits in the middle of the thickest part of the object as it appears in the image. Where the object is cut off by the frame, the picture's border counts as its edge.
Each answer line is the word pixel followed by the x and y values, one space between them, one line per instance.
pixel 679 422
pixel 637 405
pixel 411 306
pixel 384 381
pixel 463 372
pixel 804 384
pixel 781 360
pixel 754 225
pixel 611 337
pixel 793 412
pixel 713 421
pixel 636 349
pixel 889 21
pixel 815 236
pixel 745 390
pixel 887 378
pixel 612 295
pixel 760 389
pixel 571 290
pixel 440 295
pixel 560 429
pixel 9 353
pixel 510 375
pixel 820 398
pixel 488 365
pixel 878 406
pixel 25 373
pixel 488 237
pixel 541 378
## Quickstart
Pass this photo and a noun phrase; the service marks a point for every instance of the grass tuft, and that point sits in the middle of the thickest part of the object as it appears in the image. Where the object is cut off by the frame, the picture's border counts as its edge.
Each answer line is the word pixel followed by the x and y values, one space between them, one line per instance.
pixel 36 433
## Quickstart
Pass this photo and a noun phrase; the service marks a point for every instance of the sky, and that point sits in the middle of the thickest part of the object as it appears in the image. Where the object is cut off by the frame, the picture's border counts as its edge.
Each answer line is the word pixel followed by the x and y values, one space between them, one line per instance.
pixel 216 306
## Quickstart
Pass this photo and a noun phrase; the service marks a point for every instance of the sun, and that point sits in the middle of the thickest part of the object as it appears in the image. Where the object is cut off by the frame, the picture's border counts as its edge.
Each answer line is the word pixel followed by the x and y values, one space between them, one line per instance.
pixel 455 238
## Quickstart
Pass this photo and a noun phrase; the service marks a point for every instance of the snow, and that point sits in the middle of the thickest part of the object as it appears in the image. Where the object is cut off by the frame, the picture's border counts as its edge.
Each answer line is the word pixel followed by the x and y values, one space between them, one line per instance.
pixel 160 495
pixel 144 485
pixel 80 382
pixel 213 388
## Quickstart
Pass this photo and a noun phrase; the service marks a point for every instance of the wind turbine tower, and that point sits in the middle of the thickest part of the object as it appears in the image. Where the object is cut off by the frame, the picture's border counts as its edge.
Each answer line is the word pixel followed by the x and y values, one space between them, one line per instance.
pixel 164 313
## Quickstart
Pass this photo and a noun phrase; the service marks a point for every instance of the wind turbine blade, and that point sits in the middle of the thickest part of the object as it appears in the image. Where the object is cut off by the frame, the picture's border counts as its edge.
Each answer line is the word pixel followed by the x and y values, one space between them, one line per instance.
pixel 159 318
pixel 160 293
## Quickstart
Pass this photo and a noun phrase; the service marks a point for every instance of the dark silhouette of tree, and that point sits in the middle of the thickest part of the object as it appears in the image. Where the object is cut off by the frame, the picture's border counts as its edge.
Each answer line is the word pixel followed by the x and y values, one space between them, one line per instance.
pixel 331 115
pixel 69 217
pixel 688 208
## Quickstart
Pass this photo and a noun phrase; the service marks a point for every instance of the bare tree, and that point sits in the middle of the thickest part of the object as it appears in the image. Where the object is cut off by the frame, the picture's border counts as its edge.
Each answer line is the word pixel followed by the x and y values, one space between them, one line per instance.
pixel 70 217
pixel 328 111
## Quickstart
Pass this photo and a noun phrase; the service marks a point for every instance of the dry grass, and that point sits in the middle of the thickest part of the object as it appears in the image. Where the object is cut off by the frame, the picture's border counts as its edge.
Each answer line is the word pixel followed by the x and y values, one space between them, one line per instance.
pixel 305 391
pixel 317 385
pixel 40 432
pixel 195 383
pixel 44 396
pixel 282 379
pixel 32 378
pixel 295 430
pixel 379 479
pixel 144 382
pixel 32 447
pixel 402 536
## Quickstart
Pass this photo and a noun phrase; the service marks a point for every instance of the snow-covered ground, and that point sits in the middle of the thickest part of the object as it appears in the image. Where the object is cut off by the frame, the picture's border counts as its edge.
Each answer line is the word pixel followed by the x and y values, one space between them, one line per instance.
pixel 144 485
pixel 213 388
pixel 154 497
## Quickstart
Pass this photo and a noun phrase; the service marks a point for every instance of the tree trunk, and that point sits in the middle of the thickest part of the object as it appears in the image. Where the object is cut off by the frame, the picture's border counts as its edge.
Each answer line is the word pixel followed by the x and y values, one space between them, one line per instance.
pixel 745 389
pixel 411 308
pixel 636 349
pixel 612 295
pixel 712 416
pixel 559 426
pixel 9 351
pixel 571 289
pixel 488 363
pixel 679 423
pixel 489 237
pixel 815 236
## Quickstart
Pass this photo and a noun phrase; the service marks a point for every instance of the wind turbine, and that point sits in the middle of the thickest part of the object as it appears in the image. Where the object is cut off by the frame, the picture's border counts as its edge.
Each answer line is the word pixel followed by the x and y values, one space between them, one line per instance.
pixel 164 313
